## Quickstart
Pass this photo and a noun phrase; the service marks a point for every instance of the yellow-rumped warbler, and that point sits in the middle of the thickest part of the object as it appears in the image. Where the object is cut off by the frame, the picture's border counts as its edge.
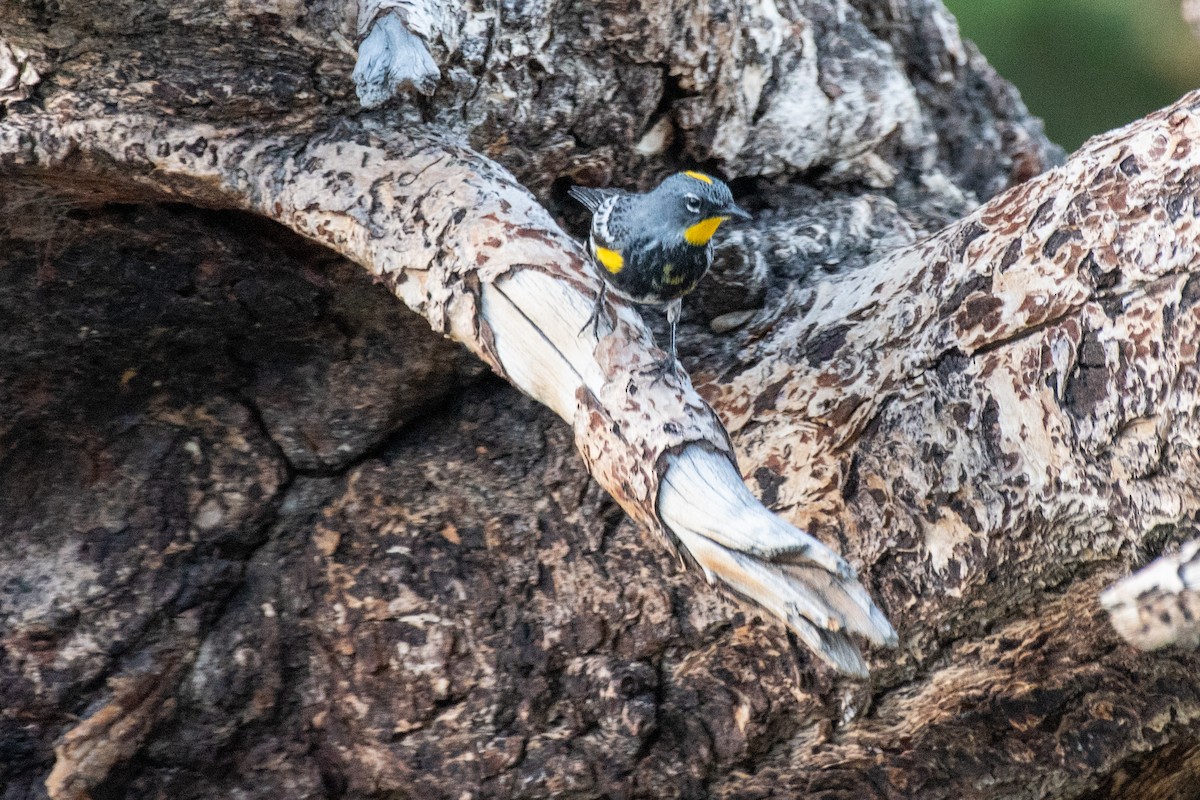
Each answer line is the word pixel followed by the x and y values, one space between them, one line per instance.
pixel 654 248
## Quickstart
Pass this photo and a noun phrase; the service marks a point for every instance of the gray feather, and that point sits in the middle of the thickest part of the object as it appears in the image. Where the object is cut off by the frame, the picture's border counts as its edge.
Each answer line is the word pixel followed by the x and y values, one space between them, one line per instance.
pixel 591 198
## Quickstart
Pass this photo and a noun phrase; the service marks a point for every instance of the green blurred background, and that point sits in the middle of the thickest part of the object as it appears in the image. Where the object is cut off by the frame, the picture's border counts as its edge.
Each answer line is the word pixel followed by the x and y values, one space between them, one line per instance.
pixel 1086 66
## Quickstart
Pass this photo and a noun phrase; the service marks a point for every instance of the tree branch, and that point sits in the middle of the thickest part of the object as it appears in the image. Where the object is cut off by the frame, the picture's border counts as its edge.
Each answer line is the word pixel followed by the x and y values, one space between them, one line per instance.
pixel 460 242
pixel 1043 348
pixel 993 419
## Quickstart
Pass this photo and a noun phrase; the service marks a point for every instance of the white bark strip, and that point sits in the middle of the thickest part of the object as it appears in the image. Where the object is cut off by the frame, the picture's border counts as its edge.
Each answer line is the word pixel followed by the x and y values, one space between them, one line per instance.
pixel 18 76
pixel 459 241
pixel 1159 605
pixel 391 57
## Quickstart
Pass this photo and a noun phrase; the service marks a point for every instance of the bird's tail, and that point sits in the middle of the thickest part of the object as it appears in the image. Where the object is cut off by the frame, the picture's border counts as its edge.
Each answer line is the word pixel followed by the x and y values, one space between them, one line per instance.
pixel 591 198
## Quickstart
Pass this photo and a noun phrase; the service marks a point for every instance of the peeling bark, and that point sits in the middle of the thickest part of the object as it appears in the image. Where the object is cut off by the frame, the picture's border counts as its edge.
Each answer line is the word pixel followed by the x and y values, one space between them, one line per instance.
pixel 393 53
pixel 214 589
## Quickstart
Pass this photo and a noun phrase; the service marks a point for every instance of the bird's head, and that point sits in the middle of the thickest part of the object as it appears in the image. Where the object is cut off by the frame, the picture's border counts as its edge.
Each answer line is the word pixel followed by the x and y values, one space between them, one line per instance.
pixel 696 204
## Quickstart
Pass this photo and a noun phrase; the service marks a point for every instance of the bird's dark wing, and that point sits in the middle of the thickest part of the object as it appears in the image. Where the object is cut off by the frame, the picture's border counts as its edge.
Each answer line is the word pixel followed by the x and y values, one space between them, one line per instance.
pixel 592 198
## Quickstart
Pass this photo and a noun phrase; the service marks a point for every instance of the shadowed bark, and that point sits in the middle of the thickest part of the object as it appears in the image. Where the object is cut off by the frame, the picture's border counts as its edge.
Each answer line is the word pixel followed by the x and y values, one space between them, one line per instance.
pixel 264 534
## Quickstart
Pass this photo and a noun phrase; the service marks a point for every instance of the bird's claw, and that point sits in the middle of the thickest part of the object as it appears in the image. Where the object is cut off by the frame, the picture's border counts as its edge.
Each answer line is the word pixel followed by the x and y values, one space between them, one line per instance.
pixel 599 310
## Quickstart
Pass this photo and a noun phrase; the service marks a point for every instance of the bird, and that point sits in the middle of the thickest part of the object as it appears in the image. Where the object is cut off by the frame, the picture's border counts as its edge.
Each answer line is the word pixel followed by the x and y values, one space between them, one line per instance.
pixel 653 248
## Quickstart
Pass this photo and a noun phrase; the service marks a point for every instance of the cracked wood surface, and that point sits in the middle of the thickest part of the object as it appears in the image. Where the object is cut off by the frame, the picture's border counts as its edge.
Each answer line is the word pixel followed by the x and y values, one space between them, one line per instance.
pixel 452 608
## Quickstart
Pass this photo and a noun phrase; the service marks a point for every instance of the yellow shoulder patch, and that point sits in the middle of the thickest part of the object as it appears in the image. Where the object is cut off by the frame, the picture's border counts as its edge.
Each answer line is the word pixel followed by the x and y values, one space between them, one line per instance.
pixel 611 259
pixel 699 234
pixel 700 176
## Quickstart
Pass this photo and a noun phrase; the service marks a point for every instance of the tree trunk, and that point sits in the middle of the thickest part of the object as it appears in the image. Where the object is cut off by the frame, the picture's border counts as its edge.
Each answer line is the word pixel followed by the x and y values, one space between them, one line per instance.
pixel 264 534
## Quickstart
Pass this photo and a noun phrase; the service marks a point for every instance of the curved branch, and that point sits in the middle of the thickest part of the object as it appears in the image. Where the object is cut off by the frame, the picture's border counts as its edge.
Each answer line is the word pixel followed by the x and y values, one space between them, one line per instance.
pixel 1066 306
pixel 993 417
pixel 459 241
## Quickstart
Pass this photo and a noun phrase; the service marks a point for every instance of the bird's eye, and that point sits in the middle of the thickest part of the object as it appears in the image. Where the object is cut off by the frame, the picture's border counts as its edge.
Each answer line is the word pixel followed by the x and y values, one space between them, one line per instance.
pixel 693 203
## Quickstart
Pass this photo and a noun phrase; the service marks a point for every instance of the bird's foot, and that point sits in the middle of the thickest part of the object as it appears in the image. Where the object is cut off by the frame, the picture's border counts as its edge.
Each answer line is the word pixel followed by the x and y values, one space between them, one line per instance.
pixel 599 311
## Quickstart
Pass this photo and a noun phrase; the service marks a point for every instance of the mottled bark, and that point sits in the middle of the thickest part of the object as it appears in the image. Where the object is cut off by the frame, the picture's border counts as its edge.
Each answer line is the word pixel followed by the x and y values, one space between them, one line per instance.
pixel 265 535
pixel 1159 605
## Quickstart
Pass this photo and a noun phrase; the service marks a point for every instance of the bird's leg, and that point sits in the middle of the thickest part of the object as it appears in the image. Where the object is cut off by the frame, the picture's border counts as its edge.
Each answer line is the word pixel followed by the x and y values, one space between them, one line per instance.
pixel 597 312
pixel 670 364
pixel 674 310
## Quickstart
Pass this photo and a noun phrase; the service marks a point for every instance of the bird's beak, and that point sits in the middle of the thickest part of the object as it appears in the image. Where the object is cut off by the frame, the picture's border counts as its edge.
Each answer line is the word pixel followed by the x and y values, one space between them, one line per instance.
pixel 733 210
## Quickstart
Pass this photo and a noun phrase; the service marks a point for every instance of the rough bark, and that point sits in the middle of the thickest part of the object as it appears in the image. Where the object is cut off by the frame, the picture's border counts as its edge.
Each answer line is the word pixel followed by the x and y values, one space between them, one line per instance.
pixel 266 535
